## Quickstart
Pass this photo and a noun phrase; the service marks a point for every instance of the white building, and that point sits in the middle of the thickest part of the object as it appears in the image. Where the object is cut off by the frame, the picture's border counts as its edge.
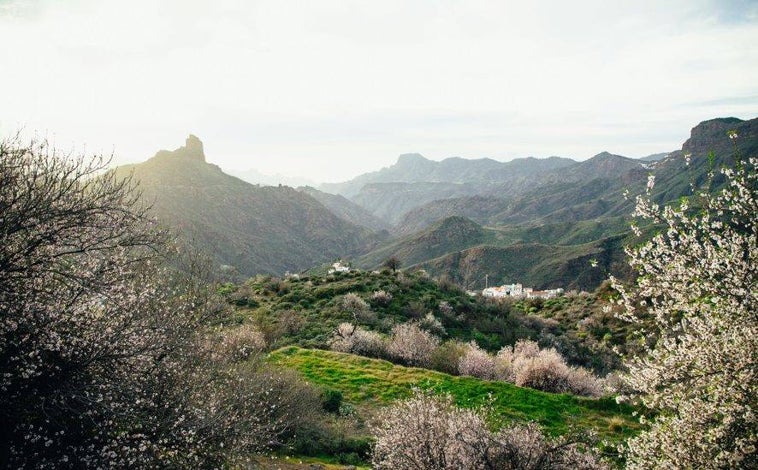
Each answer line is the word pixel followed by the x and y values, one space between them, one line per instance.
pixel 338 267
pixel 518 290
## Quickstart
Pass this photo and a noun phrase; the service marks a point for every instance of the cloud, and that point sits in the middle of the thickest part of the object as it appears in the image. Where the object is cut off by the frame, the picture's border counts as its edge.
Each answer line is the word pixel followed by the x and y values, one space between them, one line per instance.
pixel 332 88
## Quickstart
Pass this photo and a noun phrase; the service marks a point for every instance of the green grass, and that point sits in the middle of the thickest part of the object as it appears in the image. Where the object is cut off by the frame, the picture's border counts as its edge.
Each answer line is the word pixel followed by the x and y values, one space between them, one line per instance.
pixel 374 382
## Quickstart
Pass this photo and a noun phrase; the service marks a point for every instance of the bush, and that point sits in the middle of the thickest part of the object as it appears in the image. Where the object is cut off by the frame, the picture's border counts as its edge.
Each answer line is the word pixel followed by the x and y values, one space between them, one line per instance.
pixel 412 345
pixel 526 365
pixel 331 400
pixel 431 324
pixel 355 340
pixel 239 344
pixel 427 432
pixel 381 297
pixel 447 356
pixel 476 363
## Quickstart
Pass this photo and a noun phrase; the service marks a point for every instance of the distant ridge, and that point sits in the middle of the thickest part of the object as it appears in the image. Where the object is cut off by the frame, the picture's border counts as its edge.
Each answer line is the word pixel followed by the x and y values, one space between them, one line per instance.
pixel 255 229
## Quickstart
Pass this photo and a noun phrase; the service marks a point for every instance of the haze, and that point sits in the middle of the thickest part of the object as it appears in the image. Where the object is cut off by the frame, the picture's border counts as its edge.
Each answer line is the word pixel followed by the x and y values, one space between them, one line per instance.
pixel 331 89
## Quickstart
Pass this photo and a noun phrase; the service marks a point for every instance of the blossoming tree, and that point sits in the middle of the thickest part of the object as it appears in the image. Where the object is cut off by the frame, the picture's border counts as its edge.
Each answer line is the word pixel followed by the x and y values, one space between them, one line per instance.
pixel 695 303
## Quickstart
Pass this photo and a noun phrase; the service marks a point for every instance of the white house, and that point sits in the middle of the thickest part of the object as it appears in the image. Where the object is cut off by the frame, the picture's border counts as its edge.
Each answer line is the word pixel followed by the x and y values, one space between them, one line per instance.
pixel 518 290
pixel 338 267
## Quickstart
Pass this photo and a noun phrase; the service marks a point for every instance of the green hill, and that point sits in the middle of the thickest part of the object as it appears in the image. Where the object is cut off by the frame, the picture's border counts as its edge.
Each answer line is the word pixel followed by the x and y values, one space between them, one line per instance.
pixel 305 310
pixel 373 382
pixel 255 229
pixel 542 256
pixel 448 235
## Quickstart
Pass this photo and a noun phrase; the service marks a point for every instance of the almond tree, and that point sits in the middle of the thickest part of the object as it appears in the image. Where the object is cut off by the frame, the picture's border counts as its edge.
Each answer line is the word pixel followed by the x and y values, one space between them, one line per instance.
pixel 426 432
pixel 102 357
pixel 695 301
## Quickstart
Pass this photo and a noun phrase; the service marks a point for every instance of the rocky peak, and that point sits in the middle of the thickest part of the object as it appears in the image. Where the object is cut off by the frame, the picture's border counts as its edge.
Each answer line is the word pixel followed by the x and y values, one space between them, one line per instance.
pixel 191 151
pixel 711 135
pixel 193 147
pixel 411 159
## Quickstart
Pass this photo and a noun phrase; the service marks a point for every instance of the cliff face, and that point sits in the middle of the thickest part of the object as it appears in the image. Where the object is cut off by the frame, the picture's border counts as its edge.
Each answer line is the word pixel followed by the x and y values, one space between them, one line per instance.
pixel 709 136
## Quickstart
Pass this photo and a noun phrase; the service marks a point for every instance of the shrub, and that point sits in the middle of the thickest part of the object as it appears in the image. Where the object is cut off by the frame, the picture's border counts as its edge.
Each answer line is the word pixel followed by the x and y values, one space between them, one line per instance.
pixel 446 310
pixel 412 345
pixel 447 356
pixel 431 324
pixel 526 365
pixel 355 340
pixel 239 344
pixel 477 363
pixel 427 432
pixel 381 297
pixel 331 400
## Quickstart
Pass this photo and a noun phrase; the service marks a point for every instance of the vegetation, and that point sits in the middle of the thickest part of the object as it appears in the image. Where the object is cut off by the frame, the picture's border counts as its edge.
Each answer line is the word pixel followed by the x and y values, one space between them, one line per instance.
pixel 109 345
pixel 430 432
pixel 698 374
pixel 307 311
pixel 373 382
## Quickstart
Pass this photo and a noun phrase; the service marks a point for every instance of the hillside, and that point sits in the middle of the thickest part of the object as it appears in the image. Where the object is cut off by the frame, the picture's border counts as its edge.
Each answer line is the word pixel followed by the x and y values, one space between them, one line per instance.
pixel 365 381
pixel 477 208
pixel 254 229
pixel 534 264
pixel 346 209
pixel 306 310
pixel 450 234
pixel 547 234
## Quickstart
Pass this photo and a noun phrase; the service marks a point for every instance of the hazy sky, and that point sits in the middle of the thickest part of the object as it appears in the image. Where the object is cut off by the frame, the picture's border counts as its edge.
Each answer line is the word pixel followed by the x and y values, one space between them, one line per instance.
pixel 330 89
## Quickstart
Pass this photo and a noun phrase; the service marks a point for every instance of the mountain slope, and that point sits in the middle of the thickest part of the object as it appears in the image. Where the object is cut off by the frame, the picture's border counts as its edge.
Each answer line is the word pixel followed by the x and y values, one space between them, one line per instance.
pixel 450 234
pixel 255 229
pixel 534 264
pixel 346 209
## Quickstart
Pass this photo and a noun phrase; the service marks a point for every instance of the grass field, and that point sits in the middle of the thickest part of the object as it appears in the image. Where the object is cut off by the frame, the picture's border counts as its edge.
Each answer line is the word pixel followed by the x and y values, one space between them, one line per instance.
pixel 374 382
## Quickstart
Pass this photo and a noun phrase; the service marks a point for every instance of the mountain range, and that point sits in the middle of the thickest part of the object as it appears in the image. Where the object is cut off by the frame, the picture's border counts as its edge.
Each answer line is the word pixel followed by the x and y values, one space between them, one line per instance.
pixel 536 221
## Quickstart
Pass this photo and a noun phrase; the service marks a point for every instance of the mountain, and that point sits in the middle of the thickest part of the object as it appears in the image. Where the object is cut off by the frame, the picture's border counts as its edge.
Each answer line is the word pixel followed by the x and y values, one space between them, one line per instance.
pixel 549 232
pixel 450 234
pixel 556 255
pixel 477 208
pixel 585 190
pixel 414 168
pixel 346 209
pixel 391 201
pixel 255 229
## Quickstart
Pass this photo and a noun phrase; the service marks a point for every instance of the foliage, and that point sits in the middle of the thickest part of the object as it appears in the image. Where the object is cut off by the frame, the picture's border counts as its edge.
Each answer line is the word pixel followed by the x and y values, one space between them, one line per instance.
pixel 696 297
pixel 427 432
pixel 108 355
pixel 370 382
pixel 412 345
pixel 331 400
pixel 354 339
pixel 307 310
pixel 526 365
pixel 392 263
pixel 476 363
pixel 381 297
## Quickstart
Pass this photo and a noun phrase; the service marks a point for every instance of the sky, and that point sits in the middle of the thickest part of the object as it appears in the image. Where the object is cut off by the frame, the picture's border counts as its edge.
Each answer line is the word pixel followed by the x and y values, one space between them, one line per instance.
pixel 330 89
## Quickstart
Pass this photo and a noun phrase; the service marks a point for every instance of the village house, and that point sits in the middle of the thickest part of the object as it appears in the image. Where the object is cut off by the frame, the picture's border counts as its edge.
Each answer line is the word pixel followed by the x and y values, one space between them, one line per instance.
pixel 338 267
pixel 518 290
